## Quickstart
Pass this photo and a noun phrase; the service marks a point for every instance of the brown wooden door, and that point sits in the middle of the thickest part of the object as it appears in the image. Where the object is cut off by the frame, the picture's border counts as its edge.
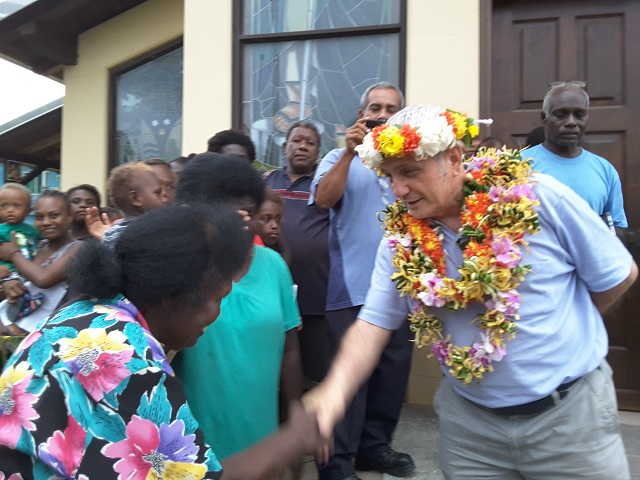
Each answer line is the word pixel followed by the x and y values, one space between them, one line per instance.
pixel 535 42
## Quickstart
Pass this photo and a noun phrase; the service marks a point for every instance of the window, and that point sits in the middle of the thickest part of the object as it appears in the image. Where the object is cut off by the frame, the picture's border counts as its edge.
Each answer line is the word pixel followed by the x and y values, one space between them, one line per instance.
pixel 147 108
pixel 311 60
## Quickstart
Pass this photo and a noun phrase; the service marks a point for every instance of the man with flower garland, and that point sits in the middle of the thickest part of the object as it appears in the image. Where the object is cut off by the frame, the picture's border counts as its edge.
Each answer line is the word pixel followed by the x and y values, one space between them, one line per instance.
pixel 355 196
pixel 506 275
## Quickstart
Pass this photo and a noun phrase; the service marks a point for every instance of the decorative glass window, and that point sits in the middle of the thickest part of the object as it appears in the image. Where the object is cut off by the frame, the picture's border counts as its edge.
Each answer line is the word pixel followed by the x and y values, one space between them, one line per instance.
pixel 311 60
pixel 148 109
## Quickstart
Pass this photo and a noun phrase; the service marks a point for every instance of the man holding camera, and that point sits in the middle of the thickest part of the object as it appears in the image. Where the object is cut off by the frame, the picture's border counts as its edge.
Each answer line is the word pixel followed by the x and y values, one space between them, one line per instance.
pixel 353 194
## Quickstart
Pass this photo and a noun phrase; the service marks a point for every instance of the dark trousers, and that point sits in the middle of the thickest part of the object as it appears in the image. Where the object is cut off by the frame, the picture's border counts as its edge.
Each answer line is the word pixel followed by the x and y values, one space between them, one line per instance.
pixel 371 419
pixel 313 348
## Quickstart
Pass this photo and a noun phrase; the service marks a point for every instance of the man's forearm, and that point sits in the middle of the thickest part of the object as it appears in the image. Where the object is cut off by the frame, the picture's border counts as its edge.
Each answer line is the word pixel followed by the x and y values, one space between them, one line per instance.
pixel 358 355
pixel 604 300
pixel 331 186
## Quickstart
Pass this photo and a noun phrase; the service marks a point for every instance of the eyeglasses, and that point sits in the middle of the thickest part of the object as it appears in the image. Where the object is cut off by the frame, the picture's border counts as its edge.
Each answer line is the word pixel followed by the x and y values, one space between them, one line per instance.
pixel 576 83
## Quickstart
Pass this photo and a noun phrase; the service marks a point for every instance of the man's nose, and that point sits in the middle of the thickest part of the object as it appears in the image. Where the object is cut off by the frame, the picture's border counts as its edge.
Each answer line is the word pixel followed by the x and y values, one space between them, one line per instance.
pixel 571 121
pixel 399 188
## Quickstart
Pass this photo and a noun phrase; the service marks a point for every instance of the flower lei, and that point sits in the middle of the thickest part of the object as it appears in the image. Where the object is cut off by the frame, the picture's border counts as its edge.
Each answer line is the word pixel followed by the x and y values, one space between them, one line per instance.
pixel 432 136
pixel 498 210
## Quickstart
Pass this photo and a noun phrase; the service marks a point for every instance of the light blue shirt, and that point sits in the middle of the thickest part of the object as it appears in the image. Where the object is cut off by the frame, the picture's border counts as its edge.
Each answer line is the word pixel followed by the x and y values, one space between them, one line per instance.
pixel 561 333
pixel 590 176
pixel 354 230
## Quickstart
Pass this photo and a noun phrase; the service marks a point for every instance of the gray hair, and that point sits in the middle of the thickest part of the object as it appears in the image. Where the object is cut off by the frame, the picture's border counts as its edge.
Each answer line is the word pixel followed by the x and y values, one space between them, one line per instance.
pixel 364 99
pixel 553 91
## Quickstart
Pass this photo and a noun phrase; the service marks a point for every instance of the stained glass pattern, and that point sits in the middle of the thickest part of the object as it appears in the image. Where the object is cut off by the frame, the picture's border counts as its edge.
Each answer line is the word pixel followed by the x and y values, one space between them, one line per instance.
pixel 313 80
pixel 149 110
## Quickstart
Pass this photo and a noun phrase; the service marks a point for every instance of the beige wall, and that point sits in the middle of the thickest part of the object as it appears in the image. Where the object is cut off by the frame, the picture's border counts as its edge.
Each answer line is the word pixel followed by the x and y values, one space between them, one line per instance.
pixel 207 71
pixel 443 54
pixel 442 68
pixel 85 126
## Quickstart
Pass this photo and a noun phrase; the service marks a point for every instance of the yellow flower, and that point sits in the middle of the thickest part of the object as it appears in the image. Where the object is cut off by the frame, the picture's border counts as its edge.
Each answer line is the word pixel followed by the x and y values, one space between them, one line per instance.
pixel 391 142
pixel 473 130
pixel 92 339
pixel 13 375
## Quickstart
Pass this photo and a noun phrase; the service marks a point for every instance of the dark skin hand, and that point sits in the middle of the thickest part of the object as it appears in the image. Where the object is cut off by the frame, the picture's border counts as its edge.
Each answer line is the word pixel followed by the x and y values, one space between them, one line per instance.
pixel 97 224
pixel 269 458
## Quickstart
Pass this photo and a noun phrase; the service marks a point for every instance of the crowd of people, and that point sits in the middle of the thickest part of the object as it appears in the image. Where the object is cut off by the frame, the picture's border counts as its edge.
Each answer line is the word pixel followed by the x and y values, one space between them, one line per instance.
pixel 173 333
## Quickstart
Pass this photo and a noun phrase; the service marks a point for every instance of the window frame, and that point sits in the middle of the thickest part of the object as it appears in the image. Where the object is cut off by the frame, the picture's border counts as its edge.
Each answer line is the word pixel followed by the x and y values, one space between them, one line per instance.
pixel 240 40
pixel 121 69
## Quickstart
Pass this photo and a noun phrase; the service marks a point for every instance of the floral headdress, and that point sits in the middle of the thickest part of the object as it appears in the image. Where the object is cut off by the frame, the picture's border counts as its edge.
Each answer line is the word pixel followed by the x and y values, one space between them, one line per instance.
pixel 420 130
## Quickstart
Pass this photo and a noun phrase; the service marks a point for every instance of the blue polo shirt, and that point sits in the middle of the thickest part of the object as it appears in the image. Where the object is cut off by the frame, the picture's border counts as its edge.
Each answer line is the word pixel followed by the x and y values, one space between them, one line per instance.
pixel 561 334
pixel 355 230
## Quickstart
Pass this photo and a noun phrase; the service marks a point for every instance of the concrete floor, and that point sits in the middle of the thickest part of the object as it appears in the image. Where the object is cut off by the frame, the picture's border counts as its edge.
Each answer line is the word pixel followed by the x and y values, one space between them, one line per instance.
pixel 418 426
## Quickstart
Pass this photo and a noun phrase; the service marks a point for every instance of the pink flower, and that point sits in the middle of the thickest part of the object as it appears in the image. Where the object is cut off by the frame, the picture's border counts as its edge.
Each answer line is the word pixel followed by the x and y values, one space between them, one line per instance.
pixel 506 302
pixel 63 451
pixel 507 254
pixel 16 409
pixel 152 452
pixel 101 373
pixel 430 296
pixel 487 352
pixel 13 476
pixel 441 350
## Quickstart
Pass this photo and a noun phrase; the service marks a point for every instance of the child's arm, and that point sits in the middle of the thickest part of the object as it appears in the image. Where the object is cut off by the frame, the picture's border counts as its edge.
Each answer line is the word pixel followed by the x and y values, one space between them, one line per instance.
pixel 42 277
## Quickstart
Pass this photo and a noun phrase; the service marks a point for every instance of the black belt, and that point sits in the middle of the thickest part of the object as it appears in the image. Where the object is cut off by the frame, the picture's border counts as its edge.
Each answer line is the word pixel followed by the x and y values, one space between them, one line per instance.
pixel 537 407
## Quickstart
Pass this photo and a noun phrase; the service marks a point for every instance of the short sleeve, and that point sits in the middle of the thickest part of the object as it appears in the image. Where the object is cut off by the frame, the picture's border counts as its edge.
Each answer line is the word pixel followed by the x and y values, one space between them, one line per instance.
pixel 290 310
pixel 327 162
pixel 601 260
pixel 383 305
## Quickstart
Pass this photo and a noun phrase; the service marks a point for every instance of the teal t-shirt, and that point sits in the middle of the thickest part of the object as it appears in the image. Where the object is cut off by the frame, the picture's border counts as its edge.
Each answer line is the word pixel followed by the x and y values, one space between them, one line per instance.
pixel 232 375
pixel 26 236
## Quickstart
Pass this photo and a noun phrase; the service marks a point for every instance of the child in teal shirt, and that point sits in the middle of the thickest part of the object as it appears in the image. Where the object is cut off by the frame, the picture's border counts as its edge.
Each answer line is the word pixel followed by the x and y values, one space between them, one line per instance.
pixel 15 205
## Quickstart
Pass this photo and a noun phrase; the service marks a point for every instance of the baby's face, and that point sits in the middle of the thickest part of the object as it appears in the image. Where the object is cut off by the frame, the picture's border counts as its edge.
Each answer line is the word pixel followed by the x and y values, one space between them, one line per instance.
pixel 14 206
pixel 150 192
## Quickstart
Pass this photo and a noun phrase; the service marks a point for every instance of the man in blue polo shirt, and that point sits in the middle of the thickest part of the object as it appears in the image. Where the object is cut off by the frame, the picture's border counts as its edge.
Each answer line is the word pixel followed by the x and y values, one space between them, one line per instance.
pixel 355 196
pixel 564 116
pixel 305 230
pixel 479 257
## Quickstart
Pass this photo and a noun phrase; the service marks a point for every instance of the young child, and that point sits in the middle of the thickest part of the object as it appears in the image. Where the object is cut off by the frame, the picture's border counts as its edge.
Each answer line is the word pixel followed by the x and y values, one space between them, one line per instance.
pixel 15 205
pixel 269 223
pixel 133 188
pixel 44 276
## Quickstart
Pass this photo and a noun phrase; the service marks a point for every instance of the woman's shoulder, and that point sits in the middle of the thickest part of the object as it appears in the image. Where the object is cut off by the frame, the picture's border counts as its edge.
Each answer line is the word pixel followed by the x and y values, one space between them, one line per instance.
pixel 268 256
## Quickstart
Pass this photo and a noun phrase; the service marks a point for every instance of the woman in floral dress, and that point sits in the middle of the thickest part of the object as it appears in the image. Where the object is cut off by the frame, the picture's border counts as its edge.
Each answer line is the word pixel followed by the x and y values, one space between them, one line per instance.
pixel 90 394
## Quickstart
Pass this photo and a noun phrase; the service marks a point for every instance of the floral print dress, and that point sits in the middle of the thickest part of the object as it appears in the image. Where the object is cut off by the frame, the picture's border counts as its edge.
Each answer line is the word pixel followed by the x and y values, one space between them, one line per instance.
pixel 90 394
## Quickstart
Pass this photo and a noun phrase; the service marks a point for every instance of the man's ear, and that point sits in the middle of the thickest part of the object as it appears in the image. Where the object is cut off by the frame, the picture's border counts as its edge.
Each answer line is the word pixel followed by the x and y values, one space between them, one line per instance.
pixel 543 117
pixel 453 157
pixel 360 114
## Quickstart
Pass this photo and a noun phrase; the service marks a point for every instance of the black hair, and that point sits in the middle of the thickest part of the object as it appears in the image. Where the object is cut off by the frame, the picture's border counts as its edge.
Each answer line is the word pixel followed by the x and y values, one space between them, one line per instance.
pixel 182 160
pixel 176 253
pixel 213 177
pixel 303 124
pixel 51 193
pixel 231 137
pixel 89 188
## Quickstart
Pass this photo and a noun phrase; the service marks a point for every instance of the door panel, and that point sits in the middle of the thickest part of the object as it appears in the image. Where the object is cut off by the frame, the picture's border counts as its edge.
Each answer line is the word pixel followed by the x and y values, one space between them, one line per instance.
pixel 536 42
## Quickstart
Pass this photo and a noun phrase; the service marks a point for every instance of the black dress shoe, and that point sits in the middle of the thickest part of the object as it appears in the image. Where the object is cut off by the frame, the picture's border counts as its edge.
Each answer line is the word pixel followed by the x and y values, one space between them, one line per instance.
pixel 394 463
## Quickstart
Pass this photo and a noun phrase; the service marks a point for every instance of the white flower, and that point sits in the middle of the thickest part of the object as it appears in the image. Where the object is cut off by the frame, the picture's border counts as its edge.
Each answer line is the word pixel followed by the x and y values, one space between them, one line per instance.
pixel 371 157
pixel 437 136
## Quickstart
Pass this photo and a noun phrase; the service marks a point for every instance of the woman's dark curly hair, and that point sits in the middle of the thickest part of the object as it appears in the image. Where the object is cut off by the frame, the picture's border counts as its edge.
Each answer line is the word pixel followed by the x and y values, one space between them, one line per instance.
pixel 175 253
